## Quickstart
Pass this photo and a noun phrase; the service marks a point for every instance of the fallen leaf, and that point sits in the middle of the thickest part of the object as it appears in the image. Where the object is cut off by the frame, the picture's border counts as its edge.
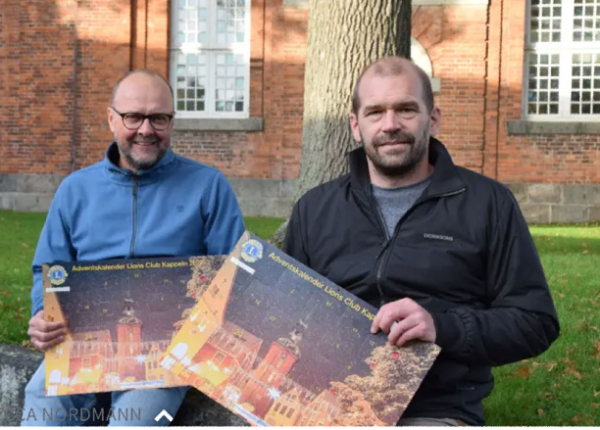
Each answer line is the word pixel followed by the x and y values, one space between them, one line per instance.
pixel 540 412
pixel 584 245
pixel 595 405
pixel 586 252
pixel 597 349
pixel 551 366
pixel 576 419
pixel 596 393
pixel 523 372
pixel 561 295
pixel 24 245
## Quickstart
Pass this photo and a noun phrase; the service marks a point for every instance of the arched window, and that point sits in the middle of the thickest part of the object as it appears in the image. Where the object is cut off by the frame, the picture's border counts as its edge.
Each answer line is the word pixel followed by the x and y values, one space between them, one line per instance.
pixel 421 58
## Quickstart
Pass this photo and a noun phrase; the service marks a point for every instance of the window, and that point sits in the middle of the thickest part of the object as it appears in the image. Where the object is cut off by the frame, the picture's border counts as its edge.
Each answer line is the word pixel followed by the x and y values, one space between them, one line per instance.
pixel 562 60
pixel 210 58
pixel 218 358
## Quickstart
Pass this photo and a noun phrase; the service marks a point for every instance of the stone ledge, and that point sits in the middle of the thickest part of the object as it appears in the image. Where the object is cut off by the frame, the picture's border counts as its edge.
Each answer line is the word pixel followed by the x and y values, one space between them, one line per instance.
pixel 17 365
pixel 541 127
pixel 26 202
pixel 217 124
pixel 29 182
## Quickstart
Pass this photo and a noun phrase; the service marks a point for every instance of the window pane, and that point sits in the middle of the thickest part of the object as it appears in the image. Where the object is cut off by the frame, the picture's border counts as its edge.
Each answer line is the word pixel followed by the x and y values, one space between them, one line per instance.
pixel 542 92
pixel 586 22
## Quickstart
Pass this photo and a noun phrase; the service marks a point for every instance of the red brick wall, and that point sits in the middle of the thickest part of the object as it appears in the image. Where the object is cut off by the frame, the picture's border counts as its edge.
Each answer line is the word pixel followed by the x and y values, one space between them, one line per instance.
pixel 455 39
pixel 476 51
pixel 36 50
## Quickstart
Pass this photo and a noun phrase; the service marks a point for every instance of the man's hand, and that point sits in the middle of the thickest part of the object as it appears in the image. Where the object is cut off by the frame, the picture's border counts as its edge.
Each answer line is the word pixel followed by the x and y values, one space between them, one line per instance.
pixel 44 335
pixel 404 320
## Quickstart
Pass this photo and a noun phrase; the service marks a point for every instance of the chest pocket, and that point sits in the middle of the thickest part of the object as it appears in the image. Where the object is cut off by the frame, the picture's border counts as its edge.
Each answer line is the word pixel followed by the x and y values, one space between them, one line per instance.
pixel 438 265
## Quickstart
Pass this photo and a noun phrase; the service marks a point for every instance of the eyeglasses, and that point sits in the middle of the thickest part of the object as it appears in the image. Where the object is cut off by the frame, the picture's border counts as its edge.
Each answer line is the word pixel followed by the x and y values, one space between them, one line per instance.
pixel 134 120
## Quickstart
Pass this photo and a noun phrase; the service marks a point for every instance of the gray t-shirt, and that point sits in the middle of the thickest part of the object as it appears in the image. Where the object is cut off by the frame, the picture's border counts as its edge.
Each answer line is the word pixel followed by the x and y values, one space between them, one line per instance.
pixel 395 202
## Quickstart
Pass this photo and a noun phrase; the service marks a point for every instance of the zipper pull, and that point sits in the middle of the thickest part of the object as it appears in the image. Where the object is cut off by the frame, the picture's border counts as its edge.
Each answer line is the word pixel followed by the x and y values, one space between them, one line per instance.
pixel 383 248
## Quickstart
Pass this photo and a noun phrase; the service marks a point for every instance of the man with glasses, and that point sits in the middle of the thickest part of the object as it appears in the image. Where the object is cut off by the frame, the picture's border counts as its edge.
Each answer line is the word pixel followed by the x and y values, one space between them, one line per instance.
pixel 142 200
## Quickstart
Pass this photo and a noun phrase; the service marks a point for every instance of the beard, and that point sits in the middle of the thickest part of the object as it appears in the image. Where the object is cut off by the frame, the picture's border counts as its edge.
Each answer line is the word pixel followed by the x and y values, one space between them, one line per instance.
pixel 141 162
pixel 400 161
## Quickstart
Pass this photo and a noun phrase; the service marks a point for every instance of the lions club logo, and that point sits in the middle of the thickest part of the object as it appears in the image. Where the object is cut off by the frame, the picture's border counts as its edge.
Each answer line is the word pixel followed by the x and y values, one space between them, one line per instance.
pixel 252 251
pixel 57 275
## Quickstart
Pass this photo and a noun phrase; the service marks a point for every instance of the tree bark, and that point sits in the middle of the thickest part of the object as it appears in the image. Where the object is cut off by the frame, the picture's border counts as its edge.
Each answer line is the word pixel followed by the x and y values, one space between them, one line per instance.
pixel 343 37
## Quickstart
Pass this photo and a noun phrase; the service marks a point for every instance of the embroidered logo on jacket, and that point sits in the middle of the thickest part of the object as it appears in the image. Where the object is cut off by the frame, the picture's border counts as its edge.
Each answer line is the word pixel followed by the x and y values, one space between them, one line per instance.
pixel 438 237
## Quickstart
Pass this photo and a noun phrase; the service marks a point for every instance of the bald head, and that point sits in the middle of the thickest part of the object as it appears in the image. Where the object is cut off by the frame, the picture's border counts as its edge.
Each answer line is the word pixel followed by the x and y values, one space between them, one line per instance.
pixel 136 73
pixel 394 66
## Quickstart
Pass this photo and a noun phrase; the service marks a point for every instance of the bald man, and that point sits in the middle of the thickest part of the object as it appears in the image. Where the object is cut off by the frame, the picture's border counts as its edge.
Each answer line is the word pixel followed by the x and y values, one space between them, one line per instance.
pixel 142 200
pixel 442 251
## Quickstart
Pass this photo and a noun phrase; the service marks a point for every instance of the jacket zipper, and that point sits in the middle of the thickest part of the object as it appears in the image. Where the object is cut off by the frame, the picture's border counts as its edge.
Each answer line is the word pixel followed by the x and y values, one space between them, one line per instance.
pixel 134 192
pixel 383 247
pixel 382 254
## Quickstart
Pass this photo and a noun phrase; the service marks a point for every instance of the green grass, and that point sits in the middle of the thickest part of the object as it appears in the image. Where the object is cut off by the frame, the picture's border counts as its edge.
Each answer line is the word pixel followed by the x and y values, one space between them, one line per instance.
pixel 561 387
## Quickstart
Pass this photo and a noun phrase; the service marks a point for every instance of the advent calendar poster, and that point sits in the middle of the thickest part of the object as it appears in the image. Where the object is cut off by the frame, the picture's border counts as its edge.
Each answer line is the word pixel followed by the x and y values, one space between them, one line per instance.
pixel 121 316
pixel 278 344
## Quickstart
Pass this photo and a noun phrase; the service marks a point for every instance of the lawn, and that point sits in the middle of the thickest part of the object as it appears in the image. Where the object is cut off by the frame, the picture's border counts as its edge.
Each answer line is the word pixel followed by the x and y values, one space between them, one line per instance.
pixel 561 387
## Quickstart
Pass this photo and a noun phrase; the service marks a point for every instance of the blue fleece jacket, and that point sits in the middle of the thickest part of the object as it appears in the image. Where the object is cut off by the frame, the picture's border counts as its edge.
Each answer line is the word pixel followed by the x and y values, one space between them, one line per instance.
pixel 179 207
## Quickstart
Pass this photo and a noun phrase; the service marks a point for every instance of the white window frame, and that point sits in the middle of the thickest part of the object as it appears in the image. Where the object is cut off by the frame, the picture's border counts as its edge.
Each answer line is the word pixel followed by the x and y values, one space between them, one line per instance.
pixel 210 47
pixel 565 49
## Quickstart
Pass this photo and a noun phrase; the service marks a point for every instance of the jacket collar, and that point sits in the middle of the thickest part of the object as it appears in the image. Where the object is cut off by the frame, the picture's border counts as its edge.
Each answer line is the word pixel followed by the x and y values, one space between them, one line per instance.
pixel 445 178
pixel 125 176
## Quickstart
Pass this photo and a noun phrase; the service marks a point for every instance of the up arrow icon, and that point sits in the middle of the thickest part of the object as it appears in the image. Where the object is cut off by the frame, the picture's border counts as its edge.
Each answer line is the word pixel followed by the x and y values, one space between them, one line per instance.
pixel 163 414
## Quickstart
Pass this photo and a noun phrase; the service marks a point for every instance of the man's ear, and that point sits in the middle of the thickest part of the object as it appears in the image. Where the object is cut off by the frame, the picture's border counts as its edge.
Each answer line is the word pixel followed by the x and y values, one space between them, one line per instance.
pixel 434 121
pixel 110 118
pixel 354 127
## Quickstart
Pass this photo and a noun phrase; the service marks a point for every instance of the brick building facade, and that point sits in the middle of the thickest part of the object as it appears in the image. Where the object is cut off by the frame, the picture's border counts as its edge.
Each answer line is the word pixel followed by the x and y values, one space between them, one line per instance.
pixel 491 62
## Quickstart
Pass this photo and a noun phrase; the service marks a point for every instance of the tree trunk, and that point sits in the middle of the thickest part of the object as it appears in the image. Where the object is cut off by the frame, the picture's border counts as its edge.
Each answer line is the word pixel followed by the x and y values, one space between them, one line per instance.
pixel 343 37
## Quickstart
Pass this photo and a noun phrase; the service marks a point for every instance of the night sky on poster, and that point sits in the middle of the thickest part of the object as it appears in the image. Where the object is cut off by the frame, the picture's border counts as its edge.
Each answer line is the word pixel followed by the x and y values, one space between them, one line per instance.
pixel 264 305
pixel 96 300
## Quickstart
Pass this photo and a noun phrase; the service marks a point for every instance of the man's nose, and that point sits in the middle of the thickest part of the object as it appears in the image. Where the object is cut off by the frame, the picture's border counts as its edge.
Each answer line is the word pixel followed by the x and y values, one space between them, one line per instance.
pixel 146 129
pixel 391 121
